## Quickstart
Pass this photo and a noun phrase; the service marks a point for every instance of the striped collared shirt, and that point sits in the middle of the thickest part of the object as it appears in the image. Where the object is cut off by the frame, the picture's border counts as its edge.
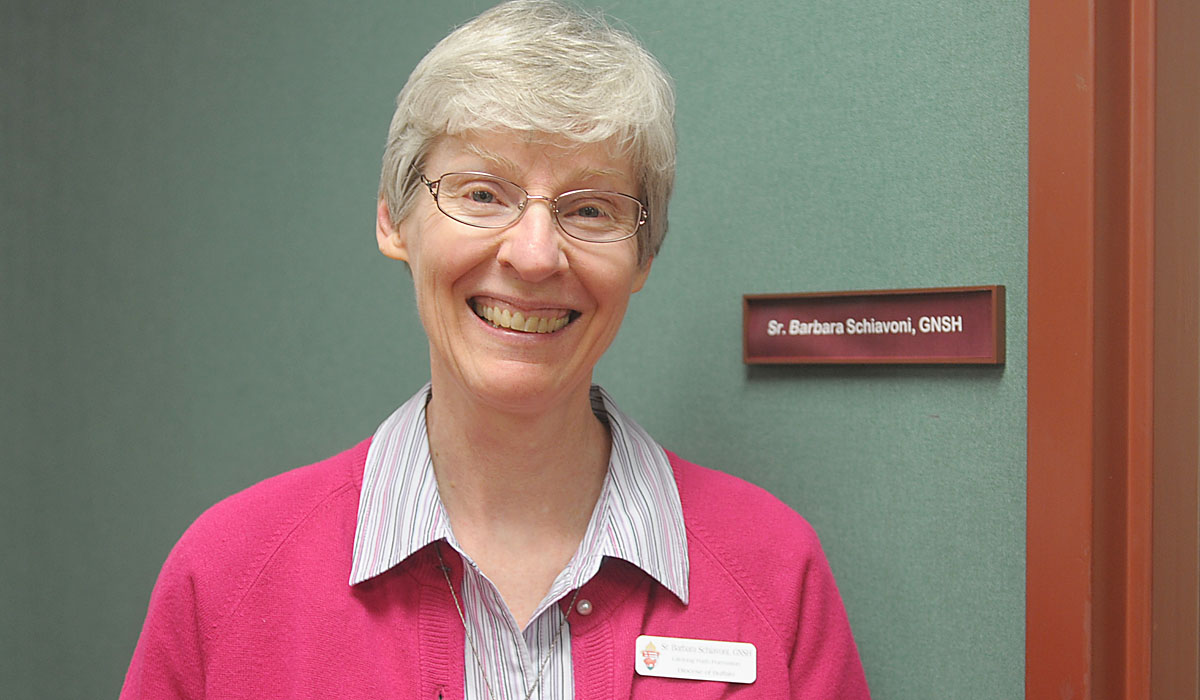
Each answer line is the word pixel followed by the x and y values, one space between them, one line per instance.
pixel 637 518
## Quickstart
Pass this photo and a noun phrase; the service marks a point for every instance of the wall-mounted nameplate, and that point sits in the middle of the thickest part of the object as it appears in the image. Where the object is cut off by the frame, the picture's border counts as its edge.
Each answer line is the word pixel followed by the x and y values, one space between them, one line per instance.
pixel 949 325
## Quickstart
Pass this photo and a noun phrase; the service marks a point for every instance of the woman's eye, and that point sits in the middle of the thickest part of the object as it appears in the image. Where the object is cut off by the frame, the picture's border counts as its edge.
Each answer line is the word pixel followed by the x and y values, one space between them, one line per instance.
pixel 589 211
pixel 482 196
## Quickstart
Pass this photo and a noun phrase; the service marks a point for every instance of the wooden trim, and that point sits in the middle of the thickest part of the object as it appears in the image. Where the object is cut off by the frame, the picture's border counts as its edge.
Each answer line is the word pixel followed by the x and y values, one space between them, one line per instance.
pixel 1175 648
pixel 1061 350
pixel 1123 410
pixel 1111 580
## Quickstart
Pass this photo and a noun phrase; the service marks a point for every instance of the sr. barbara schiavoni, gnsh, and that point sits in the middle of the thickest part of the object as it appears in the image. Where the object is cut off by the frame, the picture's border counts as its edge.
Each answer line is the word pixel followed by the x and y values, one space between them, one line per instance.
pixel 508 532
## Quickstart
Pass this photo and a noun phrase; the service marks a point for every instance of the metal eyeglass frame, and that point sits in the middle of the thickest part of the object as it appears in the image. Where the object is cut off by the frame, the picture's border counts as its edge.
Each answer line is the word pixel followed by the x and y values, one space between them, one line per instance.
pixel 643 214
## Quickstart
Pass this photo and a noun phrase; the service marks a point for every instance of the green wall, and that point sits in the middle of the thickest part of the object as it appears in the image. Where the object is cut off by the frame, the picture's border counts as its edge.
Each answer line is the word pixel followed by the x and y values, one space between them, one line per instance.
pixel 191 299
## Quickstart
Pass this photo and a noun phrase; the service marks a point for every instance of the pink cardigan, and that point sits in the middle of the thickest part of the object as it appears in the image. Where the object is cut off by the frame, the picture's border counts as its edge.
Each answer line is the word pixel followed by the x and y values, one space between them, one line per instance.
pixel 253 602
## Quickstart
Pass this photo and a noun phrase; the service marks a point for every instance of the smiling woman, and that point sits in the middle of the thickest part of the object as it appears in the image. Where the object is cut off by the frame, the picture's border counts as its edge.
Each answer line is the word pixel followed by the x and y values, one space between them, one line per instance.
pixel 508 532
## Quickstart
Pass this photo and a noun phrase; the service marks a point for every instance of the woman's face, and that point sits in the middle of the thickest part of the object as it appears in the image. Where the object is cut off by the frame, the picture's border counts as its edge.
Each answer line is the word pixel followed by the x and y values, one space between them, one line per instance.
pixel 577 290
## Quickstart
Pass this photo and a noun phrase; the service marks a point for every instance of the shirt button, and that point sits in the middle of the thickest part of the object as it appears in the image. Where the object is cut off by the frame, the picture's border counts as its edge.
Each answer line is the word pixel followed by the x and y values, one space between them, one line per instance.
pixel 584 607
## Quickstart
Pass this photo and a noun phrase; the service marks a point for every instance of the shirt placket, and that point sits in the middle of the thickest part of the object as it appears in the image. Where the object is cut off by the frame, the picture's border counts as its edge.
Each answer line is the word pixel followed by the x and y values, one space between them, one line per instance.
pixel 509 658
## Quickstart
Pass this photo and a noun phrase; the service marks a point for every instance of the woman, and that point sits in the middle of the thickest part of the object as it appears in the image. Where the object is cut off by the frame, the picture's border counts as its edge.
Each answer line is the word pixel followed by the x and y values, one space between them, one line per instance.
pixel 508 532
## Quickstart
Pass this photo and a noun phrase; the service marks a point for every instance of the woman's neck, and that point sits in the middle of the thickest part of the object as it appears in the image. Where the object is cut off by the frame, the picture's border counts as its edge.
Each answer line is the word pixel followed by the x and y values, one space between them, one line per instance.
pixel 543 470
pixel 519 489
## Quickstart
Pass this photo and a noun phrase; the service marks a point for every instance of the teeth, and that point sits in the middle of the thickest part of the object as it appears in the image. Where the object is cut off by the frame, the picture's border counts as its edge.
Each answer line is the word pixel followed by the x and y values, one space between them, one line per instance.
pixel 518 321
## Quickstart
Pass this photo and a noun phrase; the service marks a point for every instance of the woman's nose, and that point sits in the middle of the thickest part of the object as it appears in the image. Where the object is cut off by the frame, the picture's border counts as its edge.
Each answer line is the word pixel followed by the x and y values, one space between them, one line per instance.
pixel 533 246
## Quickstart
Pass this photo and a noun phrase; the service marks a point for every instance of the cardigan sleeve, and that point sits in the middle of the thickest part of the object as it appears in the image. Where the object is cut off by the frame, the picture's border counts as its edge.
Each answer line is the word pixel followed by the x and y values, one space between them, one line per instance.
pixel 168 663
pixel 825 661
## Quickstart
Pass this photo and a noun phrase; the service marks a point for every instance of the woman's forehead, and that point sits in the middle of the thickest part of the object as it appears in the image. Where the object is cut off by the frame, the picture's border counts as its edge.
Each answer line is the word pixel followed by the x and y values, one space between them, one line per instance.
pixel 513 154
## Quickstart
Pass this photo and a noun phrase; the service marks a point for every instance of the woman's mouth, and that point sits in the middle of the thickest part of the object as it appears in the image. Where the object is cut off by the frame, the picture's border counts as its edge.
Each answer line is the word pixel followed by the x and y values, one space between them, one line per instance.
pixel 532 322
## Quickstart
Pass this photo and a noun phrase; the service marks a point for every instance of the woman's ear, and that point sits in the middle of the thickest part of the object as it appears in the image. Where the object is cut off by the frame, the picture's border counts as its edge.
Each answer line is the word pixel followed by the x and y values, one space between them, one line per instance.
pixel 391 238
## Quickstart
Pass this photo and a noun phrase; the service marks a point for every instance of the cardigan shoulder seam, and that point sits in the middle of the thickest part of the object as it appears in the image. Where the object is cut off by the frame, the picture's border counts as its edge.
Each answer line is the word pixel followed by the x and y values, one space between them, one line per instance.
pixel 738 576
pixel 711 544
pixel 272 544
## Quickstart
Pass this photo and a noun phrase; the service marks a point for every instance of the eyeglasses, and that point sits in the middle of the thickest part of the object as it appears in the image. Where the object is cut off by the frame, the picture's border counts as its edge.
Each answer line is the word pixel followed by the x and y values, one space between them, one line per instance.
pixel 488 201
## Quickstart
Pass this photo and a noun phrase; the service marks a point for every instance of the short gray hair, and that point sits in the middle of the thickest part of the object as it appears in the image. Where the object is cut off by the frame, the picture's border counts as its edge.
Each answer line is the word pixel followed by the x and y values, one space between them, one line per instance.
pixel 540 67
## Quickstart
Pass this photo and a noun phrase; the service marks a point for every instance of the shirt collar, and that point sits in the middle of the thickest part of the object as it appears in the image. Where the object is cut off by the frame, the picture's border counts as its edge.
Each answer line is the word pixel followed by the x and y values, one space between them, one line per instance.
pixel 638 517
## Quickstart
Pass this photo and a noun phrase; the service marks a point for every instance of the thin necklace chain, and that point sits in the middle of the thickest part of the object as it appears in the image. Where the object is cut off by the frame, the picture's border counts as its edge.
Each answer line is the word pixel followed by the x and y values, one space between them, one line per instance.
pixel 537 684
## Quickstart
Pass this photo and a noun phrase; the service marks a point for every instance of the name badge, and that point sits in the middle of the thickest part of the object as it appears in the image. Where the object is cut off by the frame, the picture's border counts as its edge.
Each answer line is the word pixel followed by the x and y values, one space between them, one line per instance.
pixel 695 659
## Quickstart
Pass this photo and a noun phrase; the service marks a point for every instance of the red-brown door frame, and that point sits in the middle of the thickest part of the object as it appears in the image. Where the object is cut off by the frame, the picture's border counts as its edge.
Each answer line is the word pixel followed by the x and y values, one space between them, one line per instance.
pixel 1114 223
